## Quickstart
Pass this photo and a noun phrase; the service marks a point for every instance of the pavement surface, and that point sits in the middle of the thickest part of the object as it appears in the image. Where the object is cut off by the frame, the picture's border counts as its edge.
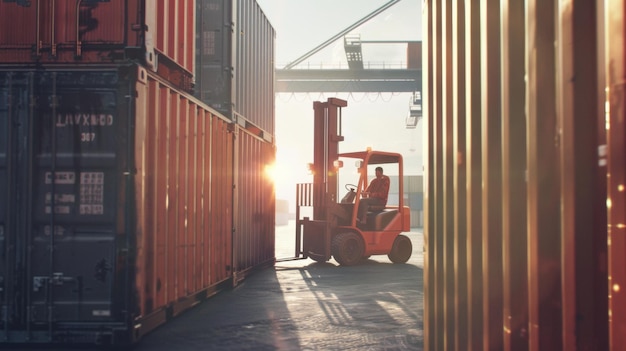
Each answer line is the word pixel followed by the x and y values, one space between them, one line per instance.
pixel 305 305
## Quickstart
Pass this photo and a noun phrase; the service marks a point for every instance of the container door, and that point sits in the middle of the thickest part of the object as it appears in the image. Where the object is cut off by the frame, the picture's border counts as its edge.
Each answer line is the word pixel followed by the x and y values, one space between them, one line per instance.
pixel 254 201
pixel 58 173
pixel 14 106
pixel 7 192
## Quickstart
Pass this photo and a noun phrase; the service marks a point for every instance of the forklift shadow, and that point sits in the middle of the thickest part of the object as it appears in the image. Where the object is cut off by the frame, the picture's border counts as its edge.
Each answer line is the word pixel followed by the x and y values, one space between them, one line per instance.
pixel 380 298
pixel 332 264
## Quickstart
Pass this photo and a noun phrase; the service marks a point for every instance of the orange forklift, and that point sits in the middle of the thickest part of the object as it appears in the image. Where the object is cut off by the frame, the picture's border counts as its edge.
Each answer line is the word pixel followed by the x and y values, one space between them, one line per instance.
pixel 333 230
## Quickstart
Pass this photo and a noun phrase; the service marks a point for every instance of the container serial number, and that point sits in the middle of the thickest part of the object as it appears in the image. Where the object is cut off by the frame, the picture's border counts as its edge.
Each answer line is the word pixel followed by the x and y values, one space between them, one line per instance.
pixel 87 137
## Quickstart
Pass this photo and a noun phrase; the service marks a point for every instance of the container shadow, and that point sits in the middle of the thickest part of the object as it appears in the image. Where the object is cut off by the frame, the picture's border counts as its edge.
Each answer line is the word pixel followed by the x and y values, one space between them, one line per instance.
pixel 252 316
pixel 372 305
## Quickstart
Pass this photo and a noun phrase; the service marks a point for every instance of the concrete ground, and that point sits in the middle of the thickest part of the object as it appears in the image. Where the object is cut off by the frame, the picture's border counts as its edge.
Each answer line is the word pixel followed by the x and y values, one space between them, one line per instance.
pixel 304 305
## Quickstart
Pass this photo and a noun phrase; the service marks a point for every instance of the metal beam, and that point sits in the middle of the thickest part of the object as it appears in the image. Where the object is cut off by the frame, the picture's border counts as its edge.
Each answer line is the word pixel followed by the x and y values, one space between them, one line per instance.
pixel 364 74
pixel 344 80
pixel 356 86
pixel 389 41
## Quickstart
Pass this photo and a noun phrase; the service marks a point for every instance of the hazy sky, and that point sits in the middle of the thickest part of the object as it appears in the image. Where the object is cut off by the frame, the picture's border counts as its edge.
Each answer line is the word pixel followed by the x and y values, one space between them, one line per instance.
pixel 372 119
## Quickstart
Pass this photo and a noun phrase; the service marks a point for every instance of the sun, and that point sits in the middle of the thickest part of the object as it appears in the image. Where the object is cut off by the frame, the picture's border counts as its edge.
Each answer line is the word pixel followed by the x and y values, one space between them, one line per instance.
pixel 271 172
pixel 284 176
pixel 278 173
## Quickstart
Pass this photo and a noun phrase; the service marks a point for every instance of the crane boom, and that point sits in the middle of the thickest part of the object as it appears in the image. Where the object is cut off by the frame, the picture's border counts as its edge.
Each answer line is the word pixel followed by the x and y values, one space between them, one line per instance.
pixel 340 34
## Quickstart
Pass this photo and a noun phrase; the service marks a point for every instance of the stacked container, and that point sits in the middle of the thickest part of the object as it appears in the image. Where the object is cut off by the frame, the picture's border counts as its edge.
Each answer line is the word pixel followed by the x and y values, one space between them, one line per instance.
pixel 525 207
pixel 158 35
pixel 124 199
pixel 235 61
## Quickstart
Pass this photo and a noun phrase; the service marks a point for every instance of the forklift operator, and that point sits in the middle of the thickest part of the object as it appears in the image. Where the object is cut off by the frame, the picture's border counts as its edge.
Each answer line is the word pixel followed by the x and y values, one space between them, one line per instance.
pixel 375 194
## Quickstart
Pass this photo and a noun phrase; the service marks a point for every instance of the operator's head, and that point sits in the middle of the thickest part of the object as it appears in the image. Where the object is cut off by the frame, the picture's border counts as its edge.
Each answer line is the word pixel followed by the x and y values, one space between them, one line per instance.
pixel 379 172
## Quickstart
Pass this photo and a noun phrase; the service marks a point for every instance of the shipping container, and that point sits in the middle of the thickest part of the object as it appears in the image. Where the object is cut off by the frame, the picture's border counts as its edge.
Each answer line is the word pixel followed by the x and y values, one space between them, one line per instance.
pixel 124 201
pixel 612 153
pixel 157 33
pixel 235 60
pixel 524 178
pixel 255 204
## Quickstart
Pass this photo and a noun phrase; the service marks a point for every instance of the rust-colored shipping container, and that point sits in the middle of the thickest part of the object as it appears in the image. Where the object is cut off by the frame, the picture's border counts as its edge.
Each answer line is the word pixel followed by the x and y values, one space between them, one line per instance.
pixel 235 60
pixel 253 240
pixel 157 33
pixel 119 198
pixel 614 154
pixel 524 185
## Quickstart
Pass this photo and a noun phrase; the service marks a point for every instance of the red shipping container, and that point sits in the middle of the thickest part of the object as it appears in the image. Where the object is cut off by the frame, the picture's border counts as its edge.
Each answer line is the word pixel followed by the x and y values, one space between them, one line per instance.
pixel 160 34
pixel 184 161
pixel 253 241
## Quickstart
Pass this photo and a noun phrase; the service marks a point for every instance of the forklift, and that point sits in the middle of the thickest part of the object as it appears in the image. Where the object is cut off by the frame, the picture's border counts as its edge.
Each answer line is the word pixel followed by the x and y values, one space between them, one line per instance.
pixel 334 229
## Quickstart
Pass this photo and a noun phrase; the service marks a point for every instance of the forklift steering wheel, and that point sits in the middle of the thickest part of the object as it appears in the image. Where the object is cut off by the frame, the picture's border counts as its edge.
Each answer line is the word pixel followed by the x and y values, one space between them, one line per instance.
pixel 351 187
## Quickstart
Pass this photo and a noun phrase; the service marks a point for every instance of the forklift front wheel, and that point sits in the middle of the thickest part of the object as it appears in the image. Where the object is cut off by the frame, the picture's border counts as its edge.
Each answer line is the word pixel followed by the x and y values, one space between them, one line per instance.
pixel 347 248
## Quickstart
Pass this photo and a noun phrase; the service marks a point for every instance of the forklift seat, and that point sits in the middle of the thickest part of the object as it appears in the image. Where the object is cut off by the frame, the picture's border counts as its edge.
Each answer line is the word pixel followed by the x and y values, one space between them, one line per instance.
pixel 376 208
pixel 382 219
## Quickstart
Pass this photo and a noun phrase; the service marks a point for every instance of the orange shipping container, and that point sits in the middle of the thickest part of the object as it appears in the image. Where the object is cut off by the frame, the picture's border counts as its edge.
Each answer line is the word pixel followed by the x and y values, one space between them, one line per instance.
pixel 254 202
pixel 158 33
pixel 134 202
pixel 524 175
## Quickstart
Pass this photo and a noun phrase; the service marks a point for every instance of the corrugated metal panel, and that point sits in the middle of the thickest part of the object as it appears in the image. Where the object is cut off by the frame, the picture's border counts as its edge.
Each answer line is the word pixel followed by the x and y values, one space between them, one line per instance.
pixel 183 193
pixel 173 22
pixel 60 177
pixel 544 246
pixel 214 46
pixel 514 195
pixel 615 70
pixel 102 32
pixel 53 31
pixel 254 238
pixel 184 199
pixel 130 182
pixel 47 30
pixel 221 211
pixel 7 219
pixel 235 61
pixel 506 119
pixel 254 65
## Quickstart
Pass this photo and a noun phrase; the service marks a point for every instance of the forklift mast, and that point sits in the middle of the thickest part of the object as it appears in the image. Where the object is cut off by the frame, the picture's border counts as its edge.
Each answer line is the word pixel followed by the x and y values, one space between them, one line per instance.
pixel 327 135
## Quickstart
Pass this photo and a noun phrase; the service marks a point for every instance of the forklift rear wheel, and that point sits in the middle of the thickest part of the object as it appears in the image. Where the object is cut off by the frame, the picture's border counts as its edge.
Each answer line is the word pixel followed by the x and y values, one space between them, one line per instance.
pixel 401 249
pixel 347 248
